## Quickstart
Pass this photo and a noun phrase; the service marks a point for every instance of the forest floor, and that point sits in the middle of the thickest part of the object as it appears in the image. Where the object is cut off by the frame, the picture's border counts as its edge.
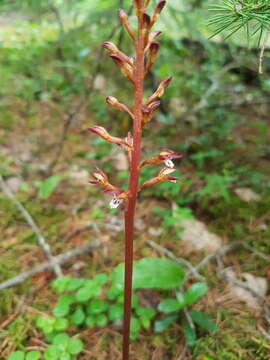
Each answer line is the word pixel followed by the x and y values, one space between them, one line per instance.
pixel 65 219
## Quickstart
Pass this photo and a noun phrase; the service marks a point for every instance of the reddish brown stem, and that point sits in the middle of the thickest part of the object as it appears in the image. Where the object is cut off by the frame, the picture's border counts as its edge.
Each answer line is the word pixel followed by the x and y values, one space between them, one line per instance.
pixel 134 181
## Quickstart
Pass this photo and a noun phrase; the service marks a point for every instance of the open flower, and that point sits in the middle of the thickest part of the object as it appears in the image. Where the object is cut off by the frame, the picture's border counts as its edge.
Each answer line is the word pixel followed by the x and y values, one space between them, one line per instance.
pixel 163 175
pixel 165 156
pixel 119 196
pixel 101 179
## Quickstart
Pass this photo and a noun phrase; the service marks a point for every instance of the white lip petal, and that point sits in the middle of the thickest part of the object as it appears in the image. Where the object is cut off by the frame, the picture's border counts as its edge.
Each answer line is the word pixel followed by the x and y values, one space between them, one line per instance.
pixel 169 163
pixel 173 181
pixel 114 203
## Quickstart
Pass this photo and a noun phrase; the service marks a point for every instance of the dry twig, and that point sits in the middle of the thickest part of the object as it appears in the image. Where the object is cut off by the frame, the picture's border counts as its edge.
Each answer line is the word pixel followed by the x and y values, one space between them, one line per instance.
pixel 40 238
pixel 57 260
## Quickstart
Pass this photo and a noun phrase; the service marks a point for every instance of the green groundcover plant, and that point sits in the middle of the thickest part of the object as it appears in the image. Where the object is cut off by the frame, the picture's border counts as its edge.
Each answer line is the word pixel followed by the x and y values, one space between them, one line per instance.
pixel 99 301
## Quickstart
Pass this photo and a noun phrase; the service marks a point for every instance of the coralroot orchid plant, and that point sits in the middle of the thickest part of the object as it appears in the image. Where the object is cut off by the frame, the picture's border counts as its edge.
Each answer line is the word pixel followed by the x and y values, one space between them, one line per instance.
pixel 135 69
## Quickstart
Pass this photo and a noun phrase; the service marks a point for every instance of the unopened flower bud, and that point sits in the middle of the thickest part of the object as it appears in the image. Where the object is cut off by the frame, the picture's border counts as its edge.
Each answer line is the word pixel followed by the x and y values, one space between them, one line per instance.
pixel 160 90
pixel 159 7
pixel 153 51
pixel 136 5
pixel 111 47
pixel 116 104
pixel 103 133
pixel 124 20
pixel 126 69
pixel 112 100
pixel 114 50
pixel 146 25
pixel 146 21
pixel 149 111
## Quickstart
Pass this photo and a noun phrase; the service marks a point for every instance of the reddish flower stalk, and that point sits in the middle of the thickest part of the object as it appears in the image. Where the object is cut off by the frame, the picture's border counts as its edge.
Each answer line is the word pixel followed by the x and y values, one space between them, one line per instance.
pixel 146 47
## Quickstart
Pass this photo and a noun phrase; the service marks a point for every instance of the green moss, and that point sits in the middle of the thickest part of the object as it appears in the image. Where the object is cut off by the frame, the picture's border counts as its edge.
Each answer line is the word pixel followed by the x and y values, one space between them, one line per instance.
pixel 238 339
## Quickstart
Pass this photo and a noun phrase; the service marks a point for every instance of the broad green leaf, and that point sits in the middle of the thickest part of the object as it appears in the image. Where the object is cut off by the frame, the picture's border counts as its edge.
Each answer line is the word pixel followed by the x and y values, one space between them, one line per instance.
pixel 61 341
pixel 145 315
pixel 190 334
pixel 48 186
pixel 151 273
pixel 75 346
pixel 203 320
pixel 46 323
pixel 164 323
pixel 113 293
pixel 134 328
pixel 51 353
pixel 169 305
pixel 77 318
pixel 100 279
pixel 97 306
pixel 195 292
pixel 60 324
pixel 65 356
pixel 17 355
pixel 181 299
pixel 90 321
pixel 145 312
pixel 75 284
pixel 63 305
pixel 50 336
pixel 116 311
pixel 87 292
pixel 61 284
pixel 101 320
pixel 33 355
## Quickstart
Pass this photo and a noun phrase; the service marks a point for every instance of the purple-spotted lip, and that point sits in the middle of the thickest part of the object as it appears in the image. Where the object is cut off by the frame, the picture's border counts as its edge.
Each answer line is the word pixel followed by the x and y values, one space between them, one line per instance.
pixel 172 178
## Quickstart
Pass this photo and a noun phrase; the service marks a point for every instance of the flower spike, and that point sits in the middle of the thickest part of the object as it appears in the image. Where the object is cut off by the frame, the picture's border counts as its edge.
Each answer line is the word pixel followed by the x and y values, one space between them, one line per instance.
pixel 103 133
pixel 165 156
